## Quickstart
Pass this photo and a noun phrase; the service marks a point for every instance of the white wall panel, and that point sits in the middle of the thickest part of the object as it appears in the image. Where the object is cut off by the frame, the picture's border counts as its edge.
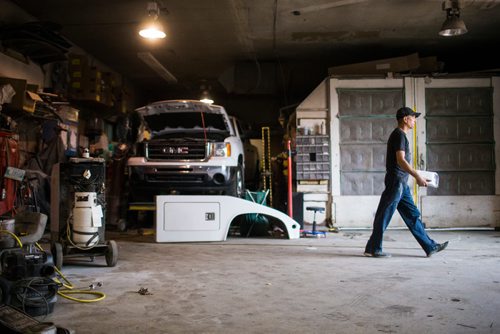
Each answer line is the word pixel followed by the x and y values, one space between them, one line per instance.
pixel 461 211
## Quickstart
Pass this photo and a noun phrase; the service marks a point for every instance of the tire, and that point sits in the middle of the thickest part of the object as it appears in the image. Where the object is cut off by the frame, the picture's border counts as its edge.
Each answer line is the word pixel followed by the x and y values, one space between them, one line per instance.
pixel 112 253
pixel 237 187
pixel 57 255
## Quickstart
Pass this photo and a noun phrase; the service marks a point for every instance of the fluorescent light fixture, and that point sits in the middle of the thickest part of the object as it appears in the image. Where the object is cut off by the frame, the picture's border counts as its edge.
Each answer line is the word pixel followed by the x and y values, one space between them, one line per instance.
pixel 453 25
pixel 152 28
pixel 156 66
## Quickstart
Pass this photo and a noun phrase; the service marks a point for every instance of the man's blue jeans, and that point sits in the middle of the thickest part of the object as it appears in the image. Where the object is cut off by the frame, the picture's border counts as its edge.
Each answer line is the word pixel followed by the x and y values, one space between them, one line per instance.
pixel 397 195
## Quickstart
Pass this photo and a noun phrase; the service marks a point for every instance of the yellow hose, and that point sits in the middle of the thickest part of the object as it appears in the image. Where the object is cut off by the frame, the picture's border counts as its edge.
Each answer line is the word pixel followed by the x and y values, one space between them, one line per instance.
pixel 14 236
pixel 65 293
pixel 69 288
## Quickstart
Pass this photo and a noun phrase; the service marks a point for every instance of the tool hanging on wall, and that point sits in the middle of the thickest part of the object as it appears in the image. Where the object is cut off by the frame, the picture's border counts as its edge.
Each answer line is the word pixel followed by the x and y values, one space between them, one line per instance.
pixel 266 163
pixel 9 156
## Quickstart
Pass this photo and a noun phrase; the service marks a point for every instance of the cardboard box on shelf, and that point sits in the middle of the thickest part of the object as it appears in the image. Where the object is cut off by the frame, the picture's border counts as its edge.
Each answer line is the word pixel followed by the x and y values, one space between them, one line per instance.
pixel 30 100
pixel 26 95
pixel 86 78
pixel 429 65
pixel 109 84
pixel 77 60
pixel 66 111
pixel 85 94
pixel 381 66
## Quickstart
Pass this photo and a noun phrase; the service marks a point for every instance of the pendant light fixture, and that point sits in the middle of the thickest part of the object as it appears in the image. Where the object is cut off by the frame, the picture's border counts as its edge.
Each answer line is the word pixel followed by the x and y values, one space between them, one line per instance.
pixel 205 98
pixel 205 94
pixel 453 25
pixel 152 28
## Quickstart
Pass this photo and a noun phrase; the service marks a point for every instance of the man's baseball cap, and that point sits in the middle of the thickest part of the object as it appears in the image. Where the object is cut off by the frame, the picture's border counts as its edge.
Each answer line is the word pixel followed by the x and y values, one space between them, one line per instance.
pixel 405 111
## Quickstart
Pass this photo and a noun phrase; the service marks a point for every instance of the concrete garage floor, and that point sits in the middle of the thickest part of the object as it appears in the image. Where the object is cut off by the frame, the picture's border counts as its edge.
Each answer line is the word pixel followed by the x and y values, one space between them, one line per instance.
pixel 252 285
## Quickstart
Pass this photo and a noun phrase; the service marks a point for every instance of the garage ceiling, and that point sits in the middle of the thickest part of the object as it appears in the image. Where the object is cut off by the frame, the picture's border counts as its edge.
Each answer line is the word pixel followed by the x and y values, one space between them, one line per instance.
pixel 293 42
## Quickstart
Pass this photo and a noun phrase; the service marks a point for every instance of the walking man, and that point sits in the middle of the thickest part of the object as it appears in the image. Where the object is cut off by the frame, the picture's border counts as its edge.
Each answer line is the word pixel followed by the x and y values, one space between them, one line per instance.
pixel 397 193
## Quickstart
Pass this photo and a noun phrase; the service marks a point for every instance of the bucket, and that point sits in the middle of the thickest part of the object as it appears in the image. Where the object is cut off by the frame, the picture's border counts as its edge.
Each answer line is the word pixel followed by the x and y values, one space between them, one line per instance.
pixel 6 240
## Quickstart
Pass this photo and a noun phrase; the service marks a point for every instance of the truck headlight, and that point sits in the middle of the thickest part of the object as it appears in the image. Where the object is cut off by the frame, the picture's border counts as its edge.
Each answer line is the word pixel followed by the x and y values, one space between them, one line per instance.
pixel 222 149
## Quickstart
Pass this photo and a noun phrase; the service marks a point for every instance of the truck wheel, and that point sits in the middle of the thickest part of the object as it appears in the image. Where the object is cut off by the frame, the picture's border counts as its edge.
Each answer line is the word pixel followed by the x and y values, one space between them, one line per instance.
pixel 237 188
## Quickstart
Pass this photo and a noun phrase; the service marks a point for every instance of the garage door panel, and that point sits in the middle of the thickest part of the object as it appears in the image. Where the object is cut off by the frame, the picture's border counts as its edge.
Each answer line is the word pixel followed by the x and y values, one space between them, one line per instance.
pixel 369 102
pixel 463 183
pixel 441 129
pixel 385 101
pixel 362 183
pixel 477 157
pixel 465 157
pixel 464 129
pixel 366 122
pixel 355 130
pixel 353 103
pixel 477 129
pixel 443 157
pixel 475 101
pixel 362 157
pixel 458 101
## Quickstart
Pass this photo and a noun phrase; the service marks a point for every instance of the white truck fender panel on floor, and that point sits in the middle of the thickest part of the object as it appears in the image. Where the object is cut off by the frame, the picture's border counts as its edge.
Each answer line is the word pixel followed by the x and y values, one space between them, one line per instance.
pixel 185 218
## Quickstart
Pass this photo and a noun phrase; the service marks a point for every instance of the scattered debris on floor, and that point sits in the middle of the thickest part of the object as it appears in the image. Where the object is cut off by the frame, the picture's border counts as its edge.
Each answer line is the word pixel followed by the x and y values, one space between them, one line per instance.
pixel 144 292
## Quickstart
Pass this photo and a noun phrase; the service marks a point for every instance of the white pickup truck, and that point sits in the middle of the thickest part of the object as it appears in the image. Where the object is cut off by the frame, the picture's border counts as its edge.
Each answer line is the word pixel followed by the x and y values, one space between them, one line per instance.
pixel 185 147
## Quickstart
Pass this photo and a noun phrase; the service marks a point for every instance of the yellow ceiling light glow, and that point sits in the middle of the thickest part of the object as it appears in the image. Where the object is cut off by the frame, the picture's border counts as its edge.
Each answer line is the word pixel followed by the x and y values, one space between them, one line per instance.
pixel 205 89
pixel 152 28
pixel 206 98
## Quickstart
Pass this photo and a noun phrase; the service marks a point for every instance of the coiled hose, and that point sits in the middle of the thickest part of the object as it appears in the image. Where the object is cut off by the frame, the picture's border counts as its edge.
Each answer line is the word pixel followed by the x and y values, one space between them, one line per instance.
pixel 68 287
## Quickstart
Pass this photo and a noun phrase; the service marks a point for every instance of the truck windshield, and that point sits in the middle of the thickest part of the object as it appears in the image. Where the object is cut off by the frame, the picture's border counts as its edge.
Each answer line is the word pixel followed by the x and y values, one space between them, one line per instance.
pixel 185 120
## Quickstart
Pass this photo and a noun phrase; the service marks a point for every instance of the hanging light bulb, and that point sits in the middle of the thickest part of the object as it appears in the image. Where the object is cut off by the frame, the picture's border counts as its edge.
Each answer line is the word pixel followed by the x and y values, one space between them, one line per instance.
pixel 453 25
pixel 205 89
pixel 152 29
pixel 205 98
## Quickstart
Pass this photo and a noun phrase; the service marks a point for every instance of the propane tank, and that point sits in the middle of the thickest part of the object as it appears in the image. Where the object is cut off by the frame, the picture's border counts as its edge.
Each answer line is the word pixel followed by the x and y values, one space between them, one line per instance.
pixel 87 217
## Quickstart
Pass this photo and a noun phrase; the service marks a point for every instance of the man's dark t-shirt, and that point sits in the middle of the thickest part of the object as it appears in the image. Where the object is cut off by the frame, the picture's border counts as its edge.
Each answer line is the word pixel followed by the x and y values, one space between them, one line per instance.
pixel 397 142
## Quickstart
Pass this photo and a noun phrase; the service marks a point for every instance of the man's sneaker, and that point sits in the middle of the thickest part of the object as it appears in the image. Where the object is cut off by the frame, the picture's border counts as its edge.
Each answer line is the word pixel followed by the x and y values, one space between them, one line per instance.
pixel 438 248
pixel 377 254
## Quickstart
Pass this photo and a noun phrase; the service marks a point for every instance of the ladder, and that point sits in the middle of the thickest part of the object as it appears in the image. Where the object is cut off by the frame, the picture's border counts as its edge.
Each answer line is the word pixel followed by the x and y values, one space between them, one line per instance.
pixel 267 183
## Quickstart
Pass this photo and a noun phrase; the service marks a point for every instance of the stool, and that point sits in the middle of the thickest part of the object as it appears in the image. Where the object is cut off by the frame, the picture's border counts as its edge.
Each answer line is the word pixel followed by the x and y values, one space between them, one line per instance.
pixel 314 232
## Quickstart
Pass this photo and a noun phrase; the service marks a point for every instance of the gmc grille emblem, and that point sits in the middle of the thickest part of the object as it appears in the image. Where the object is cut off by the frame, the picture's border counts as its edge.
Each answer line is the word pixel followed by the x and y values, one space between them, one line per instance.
pixel 175 150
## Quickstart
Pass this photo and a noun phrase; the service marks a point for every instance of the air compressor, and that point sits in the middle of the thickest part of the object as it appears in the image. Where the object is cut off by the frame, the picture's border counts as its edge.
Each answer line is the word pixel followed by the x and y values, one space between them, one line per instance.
pixel 78 211
pixel 87 218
